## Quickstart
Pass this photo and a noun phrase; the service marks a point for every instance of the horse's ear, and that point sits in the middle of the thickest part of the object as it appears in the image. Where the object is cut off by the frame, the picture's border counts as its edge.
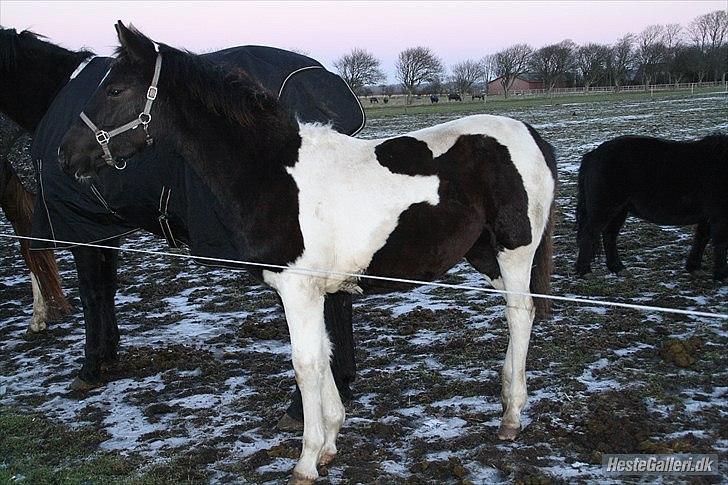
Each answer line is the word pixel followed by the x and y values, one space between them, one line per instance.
pixel 134 44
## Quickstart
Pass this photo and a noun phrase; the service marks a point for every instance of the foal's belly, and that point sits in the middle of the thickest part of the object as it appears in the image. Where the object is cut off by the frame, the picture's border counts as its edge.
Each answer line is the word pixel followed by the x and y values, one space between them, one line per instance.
pixel 426 243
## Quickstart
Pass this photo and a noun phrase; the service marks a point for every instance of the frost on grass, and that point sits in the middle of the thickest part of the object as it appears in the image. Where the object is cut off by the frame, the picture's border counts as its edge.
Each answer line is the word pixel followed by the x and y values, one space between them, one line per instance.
pixel 204 362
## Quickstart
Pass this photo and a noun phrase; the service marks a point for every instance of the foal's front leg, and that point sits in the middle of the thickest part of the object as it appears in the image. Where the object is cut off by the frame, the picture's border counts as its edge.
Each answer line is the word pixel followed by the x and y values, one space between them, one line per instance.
pixel 323 412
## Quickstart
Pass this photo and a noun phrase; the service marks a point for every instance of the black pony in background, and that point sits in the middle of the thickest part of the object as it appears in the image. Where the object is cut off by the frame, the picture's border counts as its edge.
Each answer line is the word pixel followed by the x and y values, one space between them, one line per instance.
pixel 661 181
pixel 43 87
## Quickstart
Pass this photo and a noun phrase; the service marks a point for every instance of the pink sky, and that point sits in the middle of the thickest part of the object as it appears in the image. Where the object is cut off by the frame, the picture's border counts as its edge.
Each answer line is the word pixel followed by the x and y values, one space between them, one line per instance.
pixel 325 30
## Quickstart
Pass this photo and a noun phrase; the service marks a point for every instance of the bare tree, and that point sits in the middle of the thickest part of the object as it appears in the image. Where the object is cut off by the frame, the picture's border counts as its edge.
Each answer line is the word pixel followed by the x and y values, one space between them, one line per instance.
pixel 552 62
pixel 673 43
pixel 651 52
pixel 359 68
pixel 415 66
pixel 465 74
pixel 488 63
pixel 511 63
pixel 620 60
pixel 708 32
pixel 591 62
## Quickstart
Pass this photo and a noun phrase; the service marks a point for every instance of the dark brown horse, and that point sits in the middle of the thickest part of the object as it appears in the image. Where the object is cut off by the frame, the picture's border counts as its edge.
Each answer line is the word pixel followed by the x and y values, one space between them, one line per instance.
pixel 17 203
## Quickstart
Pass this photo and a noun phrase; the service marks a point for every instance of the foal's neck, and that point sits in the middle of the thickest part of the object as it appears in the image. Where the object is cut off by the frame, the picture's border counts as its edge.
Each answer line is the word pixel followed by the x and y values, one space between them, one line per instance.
pixel 27 90
pixel 237 161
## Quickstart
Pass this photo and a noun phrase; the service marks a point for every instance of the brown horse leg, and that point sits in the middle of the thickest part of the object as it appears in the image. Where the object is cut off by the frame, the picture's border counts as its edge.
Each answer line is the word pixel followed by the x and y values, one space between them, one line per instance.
pixel 609 239
pixel 49 303
pixel 700 240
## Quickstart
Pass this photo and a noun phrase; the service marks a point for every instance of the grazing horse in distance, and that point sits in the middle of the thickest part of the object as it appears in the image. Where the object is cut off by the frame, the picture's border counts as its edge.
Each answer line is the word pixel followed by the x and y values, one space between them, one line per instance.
pixel 454 97
pixel 373 100
pixel 49 302
pixel 434 99
pixel 665 182
pixel 307 198
pixel 473 97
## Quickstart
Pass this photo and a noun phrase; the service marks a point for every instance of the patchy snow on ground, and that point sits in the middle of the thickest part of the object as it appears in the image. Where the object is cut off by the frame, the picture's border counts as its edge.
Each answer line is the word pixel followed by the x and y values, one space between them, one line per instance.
pixel 204 361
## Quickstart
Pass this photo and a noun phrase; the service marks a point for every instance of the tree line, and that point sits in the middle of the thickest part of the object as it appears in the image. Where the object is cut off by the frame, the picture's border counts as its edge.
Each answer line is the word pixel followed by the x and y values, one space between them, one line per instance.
pixel 664 54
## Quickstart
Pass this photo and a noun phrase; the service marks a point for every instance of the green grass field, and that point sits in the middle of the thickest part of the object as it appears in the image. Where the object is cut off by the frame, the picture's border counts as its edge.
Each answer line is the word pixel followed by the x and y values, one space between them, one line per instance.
pixel 498 103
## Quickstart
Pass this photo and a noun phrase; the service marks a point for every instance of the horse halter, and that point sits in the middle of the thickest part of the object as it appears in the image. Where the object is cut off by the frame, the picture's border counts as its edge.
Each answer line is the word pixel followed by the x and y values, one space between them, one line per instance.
pixel 103 137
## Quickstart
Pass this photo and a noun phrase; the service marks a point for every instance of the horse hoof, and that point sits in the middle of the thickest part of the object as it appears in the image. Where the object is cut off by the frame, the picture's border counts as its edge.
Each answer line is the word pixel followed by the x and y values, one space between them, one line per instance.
pixel 508 433
pixel 79 384
pixel 287 423
pixel 697 273
pixel 299 479
pixel 37 332
pixel 326 459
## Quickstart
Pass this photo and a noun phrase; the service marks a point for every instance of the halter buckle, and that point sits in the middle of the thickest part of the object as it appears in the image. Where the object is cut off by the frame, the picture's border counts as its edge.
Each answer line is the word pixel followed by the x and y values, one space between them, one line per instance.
pixel 152 93
pixel 102 137
pixel 145 118
pixel 120 165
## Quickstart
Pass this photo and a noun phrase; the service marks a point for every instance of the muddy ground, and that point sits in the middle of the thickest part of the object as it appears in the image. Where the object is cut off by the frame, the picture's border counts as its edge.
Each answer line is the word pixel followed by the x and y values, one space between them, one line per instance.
pixel 204 370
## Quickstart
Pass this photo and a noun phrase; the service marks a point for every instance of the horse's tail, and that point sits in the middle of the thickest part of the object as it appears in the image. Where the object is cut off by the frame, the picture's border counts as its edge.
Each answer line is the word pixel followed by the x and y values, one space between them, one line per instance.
pixel 543 263
pixel 586 166
pixel 18 206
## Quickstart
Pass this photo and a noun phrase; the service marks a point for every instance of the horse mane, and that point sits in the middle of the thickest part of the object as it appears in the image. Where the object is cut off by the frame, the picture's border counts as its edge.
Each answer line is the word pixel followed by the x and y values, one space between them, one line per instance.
pixel 11 40
pixel 231 94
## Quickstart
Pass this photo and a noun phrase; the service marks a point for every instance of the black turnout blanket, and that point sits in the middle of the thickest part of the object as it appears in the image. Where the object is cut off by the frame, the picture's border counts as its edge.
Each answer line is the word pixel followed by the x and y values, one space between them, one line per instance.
pixel 157 191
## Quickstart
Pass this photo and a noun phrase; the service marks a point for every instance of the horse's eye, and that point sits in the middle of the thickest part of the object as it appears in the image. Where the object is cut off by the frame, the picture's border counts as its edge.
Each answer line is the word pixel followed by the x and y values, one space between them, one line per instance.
pixel 112 93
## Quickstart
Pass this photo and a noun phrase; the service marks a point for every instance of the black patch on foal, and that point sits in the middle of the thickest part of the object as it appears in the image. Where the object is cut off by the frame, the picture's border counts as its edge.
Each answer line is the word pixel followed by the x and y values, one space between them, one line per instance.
pixel 483 208
pixel 407 156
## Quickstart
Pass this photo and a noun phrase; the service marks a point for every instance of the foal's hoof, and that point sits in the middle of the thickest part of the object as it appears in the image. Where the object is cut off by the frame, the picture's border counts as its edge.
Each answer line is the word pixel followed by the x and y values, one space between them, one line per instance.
pixel 326 458
pixel 298 479
pixel 508 433
pixel 287 423
pixel 79 384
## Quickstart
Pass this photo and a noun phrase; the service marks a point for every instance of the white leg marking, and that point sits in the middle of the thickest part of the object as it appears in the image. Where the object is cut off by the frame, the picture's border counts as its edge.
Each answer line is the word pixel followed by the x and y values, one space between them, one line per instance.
pixel 40 309
pixel 303 302
pixel 515 268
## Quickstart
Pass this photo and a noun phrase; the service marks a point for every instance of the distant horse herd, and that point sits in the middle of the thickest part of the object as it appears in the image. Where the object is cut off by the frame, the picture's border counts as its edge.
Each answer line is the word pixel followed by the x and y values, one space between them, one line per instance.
pixel 434 98
pixel 480 188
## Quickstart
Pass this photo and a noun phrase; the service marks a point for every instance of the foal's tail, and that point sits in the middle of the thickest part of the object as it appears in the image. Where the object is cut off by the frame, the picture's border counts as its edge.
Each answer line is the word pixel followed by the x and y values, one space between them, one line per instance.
pixel 17 204
pixel 543 263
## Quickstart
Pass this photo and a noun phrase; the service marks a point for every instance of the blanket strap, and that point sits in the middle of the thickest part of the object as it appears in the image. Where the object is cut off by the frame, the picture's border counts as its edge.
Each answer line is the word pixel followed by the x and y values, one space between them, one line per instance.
pixel 164 218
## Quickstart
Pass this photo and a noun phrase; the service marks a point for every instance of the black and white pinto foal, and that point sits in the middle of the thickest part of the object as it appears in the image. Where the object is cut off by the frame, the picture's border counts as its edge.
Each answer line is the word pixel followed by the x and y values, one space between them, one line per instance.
pixel 306 197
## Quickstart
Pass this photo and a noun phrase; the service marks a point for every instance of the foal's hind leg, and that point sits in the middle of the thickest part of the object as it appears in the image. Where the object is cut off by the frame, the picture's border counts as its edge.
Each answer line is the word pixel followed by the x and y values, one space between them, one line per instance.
pixel 515 266
pixel 700 241
pixel 609 238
